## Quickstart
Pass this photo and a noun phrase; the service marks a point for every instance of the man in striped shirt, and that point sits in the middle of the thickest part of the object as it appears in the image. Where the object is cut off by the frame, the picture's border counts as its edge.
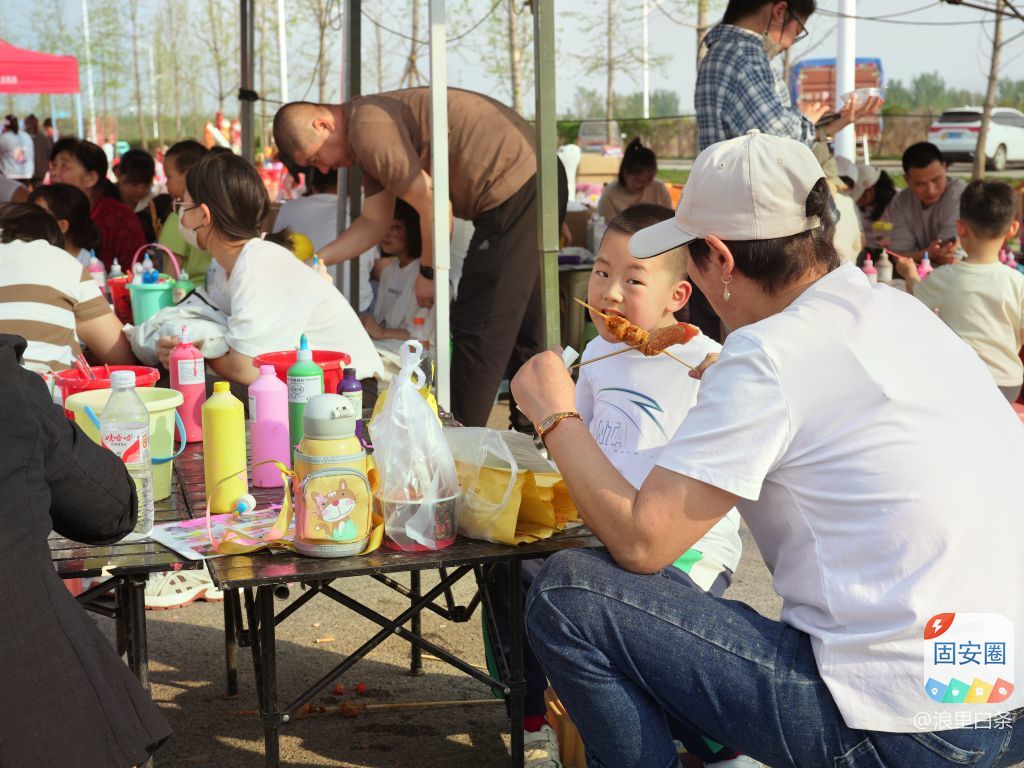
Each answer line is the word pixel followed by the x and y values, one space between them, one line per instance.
pixel 49 298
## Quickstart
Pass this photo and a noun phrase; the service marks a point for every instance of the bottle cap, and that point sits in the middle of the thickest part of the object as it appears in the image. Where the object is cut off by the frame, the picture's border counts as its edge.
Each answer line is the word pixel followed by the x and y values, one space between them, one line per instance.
pixel 93 260
pixel 348 372
pixel 183 275
pixel 267 370
pixel 122 379
pixel 304 352
pixel 221 386
pixel 418 320
pixel 184 337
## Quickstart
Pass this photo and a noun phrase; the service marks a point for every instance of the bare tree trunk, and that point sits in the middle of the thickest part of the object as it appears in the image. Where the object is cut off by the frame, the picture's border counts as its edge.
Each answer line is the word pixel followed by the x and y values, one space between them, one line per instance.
pixel 411 76
pixel 133 13
pixel 515 59
pixel 380 53
pixel 609 108
pixel 323 59
pixel 702 30
pixel 990 95
pixel 218 57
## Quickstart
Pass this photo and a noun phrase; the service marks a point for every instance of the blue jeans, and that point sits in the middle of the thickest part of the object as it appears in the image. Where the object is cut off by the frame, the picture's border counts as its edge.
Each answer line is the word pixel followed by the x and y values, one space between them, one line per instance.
pixel 638 660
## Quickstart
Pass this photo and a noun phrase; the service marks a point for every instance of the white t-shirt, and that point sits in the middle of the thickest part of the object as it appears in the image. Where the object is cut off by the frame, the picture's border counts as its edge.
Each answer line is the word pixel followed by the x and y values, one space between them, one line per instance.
pixel 7 188
pixel 880 472
pixel 12 155
pixel 984 305
pixel 396 305
pixel 316 217
pixel 274 298
pixel 633 404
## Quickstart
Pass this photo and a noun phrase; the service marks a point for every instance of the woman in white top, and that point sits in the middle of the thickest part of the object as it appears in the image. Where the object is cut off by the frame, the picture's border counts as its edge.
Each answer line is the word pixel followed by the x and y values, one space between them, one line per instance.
pixel 273 297
pixel 878 471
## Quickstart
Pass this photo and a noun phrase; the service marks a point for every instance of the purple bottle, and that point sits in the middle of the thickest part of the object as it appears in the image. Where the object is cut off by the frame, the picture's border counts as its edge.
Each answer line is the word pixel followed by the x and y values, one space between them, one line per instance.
pixel 268 419
pixel 352 390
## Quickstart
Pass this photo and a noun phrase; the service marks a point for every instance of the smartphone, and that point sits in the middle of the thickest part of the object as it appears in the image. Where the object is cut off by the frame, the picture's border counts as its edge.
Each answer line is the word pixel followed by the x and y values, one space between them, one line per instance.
pixel 949 240
pixel 827 119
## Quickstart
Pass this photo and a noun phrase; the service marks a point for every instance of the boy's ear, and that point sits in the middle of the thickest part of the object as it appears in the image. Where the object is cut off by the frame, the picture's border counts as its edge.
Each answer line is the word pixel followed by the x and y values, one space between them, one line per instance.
pixel 962 230
pixel 680 295
pixel 1014 229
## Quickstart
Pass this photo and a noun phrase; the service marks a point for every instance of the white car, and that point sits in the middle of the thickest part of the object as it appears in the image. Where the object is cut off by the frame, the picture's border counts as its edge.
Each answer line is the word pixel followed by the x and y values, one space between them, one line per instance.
pixel 955 133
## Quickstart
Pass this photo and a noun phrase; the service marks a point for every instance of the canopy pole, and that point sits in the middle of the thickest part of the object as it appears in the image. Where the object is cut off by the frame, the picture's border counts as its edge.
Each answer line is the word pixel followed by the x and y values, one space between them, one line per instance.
pixel 439 174
pixel 91 135
pixel 247 107
pixel 350 179
pixel 846 80
pixel 547 171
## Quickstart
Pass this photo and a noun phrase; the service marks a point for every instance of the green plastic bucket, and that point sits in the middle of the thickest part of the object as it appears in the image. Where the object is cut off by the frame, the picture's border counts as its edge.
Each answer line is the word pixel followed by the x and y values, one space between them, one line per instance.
pixel 149 298
pixel 163 415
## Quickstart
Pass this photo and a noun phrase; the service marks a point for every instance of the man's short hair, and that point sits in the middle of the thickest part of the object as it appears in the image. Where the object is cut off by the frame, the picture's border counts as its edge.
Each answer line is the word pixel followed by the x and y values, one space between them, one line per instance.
pixel 989 208
pixel 136 167
pixel 631 220
pixel 288 126
pixel 921 155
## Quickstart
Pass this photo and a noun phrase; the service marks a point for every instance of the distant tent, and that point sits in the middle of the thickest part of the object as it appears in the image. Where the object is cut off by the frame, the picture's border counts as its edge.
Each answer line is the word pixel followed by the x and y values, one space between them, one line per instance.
pixel 24 71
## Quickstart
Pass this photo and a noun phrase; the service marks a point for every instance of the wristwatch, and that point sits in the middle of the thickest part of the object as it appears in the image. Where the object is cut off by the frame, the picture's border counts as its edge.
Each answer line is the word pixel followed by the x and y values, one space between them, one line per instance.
pixel 427 272
pixel 554 420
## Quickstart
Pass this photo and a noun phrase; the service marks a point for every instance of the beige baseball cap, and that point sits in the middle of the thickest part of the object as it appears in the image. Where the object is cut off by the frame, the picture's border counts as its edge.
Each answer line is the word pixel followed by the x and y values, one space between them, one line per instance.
pixel 753 187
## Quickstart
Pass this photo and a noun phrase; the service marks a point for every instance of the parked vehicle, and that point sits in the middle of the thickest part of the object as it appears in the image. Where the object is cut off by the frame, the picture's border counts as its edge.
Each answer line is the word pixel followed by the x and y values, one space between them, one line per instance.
pixel 955 133
pixel 601 137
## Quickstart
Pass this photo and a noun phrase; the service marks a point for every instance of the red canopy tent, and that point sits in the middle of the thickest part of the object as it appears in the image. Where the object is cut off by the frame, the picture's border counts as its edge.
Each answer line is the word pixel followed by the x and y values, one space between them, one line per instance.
pixel 24 71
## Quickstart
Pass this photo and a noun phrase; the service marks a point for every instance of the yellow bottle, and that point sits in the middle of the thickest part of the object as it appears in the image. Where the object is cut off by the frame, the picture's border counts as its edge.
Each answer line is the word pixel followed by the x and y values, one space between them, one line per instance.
pixel 224 456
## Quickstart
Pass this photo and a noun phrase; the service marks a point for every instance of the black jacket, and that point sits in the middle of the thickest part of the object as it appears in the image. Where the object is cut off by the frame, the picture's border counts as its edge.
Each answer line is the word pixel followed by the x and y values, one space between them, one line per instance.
pixel 67 699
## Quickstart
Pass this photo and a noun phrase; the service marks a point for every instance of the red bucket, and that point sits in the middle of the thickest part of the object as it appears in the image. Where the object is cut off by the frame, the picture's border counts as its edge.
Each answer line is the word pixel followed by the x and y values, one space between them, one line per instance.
pixel 72 382
pixel 120 297
pixel 333 364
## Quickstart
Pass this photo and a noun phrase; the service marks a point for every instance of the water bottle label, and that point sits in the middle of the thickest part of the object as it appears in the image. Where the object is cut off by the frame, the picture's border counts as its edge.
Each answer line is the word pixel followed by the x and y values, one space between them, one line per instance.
pixel 130 445
pixel 302 389
pixel 192 371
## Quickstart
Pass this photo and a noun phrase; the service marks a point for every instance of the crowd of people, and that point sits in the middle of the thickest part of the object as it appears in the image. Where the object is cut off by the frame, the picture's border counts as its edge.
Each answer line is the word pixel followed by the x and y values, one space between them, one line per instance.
pixel 861 432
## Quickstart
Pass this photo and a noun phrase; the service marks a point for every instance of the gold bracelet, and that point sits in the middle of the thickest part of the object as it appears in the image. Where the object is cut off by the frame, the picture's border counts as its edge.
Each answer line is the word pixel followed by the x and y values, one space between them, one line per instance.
pixel 553 420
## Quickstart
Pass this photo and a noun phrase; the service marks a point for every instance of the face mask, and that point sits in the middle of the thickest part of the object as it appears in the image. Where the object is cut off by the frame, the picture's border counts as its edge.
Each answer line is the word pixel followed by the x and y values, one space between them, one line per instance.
pixel 771 47
pixel 188 235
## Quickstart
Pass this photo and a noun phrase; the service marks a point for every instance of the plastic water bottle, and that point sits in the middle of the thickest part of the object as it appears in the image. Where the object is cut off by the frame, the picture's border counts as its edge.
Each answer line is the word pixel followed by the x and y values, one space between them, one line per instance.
pixel 96 270
pixel 124 427
pixel 115 269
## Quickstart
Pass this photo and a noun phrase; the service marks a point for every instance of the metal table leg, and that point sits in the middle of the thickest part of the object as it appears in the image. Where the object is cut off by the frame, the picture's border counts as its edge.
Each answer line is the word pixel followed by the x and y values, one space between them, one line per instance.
pixel 138 647
pixel 231 642
pixel 516 681
pixel 268 681
pixel 415 650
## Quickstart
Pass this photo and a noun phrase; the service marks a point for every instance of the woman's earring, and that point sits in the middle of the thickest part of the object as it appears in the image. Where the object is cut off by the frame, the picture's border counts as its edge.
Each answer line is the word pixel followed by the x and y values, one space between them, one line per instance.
pixel 726 293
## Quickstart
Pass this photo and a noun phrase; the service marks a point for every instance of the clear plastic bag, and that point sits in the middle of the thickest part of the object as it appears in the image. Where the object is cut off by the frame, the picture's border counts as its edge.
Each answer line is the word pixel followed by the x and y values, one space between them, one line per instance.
pixel 419 486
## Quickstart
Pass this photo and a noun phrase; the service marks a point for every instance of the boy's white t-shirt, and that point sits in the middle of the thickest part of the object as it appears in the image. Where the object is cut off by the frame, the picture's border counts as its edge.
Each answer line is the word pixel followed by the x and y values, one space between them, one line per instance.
pixel 880 477
pixel 274 298
pixel 396 305
pixel 984 305
pixel 633 404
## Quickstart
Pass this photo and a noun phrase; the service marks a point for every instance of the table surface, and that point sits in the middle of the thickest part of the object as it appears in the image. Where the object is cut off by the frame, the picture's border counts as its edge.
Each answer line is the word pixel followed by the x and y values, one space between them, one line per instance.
pixel 265 568
pixel 75 560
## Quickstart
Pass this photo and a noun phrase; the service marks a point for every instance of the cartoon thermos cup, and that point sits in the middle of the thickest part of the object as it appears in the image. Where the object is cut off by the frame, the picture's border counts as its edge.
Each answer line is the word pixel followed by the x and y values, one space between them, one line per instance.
pixel 335 480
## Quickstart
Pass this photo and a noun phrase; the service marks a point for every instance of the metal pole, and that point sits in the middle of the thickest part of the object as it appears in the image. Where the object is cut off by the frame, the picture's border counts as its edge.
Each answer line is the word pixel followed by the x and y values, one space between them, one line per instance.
pixel 547 172
pixel 846 69
pixel 88 71
pixel 350 179
pixel 152 96
pixel 247 108
pixel 439 175
pixel 282 50
pixel 78 113
pixel 646 63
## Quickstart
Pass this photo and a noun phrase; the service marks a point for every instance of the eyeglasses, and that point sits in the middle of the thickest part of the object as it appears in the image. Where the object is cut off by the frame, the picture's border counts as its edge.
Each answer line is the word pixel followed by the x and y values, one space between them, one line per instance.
pixel 803 29
pixel 180 206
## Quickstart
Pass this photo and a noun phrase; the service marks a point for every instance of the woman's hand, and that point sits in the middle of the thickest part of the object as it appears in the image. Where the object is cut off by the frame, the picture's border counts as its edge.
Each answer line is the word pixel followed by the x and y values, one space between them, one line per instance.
pixel 706 363
pixel 164 346
pixel 543 386
pixel 814 111
pixel 849 114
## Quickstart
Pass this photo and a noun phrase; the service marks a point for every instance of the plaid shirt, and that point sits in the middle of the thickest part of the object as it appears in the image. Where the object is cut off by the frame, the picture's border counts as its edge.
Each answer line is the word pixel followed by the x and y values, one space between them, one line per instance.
pixel 737 90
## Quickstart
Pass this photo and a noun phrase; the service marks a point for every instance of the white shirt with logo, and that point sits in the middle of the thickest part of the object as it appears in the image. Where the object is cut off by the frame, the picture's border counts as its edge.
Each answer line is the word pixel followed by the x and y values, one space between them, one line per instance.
pixel 880 474
pixel 633 405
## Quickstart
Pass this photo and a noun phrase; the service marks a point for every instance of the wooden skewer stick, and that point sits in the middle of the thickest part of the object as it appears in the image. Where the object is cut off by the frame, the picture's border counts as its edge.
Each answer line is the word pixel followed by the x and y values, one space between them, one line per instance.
pixel 602 357
pixel 602 314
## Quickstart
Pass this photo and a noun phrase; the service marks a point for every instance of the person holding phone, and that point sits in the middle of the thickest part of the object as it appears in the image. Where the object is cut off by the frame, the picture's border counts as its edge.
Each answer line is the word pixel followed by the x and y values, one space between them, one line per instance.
pixel 924 214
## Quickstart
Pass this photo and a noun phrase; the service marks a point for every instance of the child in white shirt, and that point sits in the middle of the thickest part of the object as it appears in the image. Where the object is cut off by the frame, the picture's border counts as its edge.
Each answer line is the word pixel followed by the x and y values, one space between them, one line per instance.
pixel 633 404
pixel 981 299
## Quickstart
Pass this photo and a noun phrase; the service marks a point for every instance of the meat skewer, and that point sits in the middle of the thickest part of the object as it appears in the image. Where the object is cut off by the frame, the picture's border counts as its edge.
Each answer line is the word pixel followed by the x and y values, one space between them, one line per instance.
pixel 647 343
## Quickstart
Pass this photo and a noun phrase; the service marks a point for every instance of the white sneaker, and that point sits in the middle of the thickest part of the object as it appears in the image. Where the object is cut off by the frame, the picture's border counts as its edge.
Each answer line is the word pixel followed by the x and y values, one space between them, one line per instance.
pixel 177 588
pixel 540 748
pixel 740 761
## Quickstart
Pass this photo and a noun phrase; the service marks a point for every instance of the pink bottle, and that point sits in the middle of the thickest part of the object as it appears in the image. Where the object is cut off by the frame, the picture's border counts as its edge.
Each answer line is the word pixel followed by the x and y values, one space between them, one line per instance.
pixel 268 421
pixel 869 269
pixel 188 376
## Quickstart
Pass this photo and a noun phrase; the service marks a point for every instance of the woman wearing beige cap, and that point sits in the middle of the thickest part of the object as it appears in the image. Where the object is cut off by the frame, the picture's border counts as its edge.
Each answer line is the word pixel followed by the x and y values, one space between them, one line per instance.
pixel 885 516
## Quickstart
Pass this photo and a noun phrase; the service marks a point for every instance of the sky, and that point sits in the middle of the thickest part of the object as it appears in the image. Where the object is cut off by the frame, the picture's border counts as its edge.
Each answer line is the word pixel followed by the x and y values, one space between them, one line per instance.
pixel 919 36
